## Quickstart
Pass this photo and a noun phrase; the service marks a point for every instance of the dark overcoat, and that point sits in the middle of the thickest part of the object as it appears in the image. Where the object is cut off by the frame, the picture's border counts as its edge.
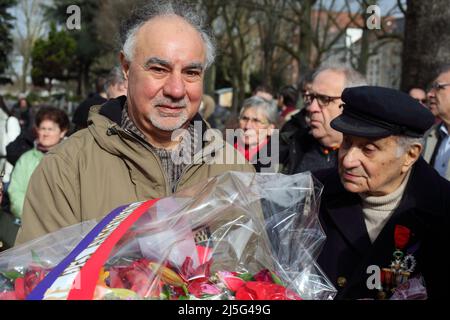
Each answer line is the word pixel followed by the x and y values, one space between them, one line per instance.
pixel 348 252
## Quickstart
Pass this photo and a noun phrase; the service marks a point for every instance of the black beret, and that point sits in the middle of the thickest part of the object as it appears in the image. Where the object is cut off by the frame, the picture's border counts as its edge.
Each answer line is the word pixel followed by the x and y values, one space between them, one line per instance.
pixel 378 112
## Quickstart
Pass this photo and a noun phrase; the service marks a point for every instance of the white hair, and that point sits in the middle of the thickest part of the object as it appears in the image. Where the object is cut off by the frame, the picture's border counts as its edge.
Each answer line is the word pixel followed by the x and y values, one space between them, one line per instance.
pixel 160 8
pixel 267 107
pixel 352 77
pixel 405 142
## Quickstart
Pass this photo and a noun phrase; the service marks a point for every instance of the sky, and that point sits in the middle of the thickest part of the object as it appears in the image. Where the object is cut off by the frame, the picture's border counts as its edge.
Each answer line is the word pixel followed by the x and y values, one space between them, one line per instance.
pixel 385 5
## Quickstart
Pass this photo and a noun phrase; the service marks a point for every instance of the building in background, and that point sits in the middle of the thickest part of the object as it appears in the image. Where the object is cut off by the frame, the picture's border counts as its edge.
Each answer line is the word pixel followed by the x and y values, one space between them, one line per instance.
pixel 384 52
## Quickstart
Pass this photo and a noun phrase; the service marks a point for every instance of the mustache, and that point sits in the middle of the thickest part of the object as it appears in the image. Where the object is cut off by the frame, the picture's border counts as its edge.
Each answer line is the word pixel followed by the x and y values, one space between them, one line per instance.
pixel 170 102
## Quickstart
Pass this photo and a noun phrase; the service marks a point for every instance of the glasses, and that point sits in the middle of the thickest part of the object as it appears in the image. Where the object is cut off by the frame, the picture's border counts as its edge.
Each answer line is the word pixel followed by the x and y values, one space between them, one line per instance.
pixel 438 86
pixel 322 100
pixel 254 120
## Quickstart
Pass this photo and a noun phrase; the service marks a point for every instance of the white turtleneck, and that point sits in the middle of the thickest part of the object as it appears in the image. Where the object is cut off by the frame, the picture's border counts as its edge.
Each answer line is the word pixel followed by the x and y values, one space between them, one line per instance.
pixel 378 210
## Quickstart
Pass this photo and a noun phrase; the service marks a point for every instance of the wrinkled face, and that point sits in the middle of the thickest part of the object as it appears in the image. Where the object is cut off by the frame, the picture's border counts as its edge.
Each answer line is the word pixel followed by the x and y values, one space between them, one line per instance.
pixel 165 76
pixel 371 166
pixel 49 134
pixel 255 125
pixel 439 98
pixel 331 84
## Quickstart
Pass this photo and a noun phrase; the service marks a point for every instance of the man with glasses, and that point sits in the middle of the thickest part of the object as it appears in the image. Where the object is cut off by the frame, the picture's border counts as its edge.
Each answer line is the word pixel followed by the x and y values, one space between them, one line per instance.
pixel 437 147
pixel 316 148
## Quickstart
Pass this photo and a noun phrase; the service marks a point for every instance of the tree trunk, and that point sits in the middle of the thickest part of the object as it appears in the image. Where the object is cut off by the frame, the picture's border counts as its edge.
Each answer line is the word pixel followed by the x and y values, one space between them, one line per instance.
pixel 427 43
pixel 23 78
pixel 210 80
pixel 50 86
pixel 79 81
pixel 305 43
pixel 85 85
pixel 364 53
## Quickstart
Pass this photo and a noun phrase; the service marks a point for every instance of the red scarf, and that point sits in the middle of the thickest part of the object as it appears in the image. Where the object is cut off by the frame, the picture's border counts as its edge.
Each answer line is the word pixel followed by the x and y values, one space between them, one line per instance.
pixel 248 151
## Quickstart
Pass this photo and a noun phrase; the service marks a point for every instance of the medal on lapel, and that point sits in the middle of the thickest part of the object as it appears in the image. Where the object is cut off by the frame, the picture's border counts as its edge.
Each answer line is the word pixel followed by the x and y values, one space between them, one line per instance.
pixel 401 266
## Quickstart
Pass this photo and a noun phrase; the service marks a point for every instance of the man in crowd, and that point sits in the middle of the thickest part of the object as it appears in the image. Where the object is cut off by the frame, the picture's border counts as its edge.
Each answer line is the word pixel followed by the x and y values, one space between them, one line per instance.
pixel 263 91
pixel 116 84
pixel 287 103
pixel 419 94
pixel 385 211
pixel 127 154
pixel 437 148
pixel 314 149
pixel 80 116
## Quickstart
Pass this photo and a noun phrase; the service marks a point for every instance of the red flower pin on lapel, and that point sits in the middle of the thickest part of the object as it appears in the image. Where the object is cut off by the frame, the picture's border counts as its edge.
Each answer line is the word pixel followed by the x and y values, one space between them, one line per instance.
pixel 401 236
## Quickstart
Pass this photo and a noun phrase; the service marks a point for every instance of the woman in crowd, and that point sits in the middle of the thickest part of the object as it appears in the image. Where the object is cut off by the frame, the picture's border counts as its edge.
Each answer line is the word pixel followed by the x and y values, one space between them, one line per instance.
pixel 257 121
pixel 51 125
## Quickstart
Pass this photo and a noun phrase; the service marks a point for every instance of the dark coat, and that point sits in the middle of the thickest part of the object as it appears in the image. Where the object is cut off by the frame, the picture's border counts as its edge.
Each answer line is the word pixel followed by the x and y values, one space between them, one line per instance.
pixel 262 160
pixel 424 209
pixel 80 116
pixel 23 143
pixel 301 152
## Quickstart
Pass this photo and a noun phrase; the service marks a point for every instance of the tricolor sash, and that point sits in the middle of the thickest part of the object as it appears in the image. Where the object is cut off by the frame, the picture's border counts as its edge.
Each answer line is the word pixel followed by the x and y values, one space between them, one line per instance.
pixel 75 277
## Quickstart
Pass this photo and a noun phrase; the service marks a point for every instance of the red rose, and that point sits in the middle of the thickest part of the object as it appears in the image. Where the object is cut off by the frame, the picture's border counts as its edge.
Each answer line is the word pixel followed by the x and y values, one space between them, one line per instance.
pixel 136 277
pixel 32 278
pixel 263 276
pixel 254 290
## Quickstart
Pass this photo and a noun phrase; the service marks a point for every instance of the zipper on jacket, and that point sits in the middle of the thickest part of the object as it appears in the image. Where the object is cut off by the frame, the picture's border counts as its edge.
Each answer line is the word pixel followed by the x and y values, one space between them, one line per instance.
pixel 183 172
pixel 168 190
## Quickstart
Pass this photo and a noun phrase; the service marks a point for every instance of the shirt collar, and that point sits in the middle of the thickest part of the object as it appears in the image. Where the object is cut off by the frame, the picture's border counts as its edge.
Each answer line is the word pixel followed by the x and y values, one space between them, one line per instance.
pixel 443 130
pixel 127 123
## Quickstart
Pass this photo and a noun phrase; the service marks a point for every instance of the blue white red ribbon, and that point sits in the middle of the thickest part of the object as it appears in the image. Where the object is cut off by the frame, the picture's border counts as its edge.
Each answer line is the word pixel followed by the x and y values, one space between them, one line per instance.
pixel 75 278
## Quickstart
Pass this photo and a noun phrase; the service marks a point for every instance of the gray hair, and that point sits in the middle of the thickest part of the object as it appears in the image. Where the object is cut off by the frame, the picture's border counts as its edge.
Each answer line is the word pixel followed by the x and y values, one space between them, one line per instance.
pixel 352 77
pixel 115 76
pixel 158 8
pixel 267 107
pixel 405 142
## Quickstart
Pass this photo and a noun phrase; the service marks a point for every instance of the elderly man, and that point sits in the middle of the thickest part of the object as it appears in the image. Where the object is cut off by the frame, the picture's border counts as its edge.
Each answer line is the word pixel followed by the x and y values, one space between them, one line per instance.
pixel 316 148
pixel 437 147
pixel 385 210
pixel 130 150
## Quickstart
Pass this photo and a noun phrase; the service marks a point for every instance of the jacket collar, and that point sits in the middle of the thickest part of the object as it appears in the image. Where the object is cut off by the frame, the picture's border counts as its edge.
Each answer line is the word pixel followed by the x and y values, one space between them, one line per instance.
pixel 112 110
pixel 105 122
pixel 345 210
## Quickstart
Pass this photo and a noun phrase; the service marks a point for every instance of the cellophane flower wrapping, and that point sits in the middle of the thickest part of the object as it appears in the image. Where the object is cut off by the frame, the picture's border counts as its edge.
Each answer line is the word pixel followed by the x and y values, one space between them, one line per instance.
pixel 238 236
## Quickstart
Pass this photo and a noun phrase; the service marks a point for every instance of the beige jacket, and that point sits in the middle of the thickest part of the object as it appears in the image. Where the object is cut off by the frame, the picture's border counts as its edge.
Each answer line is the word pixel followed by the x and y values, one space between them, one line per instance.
pixel 101 168
pixel 431 142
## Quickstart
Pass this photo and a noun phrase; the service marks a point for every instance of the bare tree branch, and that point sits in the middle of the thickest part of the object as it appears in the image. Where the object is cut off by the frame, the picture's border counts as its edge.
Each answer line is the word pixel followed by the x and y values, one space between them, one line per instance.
pixel 401 7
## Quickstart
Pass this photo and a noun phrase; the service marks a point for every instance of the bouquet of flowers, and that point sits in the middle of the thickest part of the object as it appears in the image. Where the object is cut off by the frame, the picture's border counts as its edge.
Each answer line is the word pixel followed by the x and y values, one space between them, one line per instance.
pixel 238 236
